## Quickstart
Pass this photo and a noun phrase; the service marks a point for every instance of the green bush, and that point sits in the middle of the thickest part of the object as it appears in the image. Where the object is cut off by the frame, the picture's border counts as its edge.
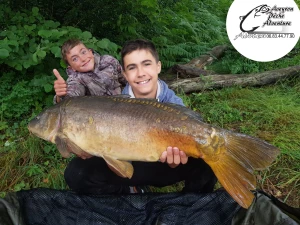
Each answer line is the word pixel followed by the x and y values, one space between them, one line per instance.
pixel 29 51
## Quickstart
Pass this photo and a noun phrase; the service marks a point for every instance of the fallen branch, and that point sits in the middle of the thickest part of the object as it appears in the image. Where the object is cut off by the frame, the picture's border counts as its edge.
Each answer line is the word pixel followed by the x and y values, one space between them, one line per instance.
pixel 203 60
pixel 195 67
pixel 244 80
pixel 185 71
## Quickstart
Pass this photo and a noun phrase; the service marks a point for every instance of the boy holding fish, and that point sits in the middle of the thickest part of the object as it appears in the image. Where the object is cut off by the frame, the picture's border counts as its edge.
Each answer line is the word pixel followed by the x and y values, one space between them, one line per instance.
pixel 87 174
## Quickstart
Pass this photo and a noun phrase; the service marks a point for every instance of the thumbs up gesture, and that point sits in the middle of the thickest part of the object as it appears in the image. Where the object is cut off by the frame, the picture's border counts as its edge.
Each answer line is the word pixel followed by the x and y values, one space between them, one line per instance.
pixel 60 85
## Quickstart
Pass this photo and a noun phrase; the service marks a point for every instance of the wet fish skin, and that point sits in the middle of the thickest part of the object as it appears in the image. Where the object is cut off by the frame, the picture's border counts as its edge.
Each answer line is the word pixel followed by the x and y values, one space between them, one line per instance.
pixel 121 129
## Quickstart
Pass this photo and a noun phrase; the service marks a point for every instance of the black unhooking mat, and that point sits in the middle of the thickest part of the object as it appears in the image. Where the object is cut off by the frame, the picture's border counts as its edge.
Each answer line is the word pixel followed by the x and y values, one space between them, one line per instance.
pixel 54 207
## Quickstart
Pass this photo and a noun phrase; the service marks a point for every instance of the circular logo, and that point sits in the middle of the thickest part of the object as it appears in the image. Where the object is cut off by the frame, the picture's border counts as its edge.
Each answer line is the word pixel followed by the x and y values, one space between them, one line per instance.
pixel 263 30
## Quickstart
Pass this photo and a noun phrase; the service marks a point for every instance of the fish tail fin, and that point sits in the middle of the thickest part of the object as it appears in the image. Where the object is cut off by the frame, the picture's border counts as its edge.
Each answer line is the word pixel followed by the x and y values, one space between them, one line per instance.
pixel 235 179
pixel 239 155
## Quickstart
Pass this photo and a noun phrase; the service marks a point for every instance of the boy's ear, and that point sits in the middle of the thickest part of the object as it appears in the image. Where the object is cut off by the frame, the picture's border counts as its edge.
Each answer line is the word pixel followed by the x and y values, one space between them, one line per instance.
pixel 70 67
pixel 158 67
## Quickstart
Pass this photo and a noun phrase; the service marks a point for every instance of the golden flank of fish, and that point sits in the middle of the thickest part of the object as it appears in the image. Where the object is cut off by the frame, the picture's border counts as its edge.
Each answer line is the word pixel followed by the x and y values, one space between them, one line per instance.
pixel 122 129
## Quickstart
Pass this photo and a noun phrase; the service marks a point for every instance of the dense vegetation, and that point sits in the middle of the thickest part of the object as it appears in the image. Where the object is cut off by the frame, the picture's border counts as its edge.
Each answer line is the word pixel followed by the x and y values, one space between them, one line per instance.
pixel 30 39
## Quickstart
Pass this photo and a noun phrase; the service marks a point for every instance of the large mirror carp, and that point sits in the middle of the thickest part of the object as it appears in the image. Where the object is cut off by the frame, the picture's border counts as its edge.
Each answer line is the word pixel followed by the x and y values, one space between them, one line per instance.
pixel 122 129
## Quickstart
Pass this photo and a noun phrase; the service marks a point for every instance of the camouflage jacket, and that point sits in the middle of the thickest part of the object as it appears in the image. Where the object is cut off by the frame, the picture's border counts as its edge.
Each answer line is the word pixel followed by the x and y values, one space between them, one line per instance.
pixel 106 79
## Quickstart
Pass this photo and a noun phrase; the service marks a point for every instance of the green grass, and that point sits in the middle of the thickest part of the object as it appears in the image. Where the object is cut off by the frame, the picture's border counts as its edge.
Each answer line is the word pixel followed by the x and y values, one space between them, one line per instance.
pixel 233 63
pixel 30 163
pixel 271 113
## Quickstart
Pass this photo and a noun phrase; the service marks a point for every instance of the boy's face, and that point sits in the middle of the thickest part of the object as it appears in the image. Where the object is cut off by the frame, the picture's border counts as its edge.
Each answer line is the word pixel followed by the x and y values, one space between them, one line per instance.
pixel 81 59
pixel 141 71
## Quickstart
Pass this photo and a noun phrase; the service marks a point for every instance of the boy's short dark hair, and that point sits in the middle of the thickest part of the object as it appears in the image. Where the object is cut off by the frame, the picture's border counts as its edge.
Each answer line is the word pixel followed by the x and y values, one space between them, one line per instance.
pixel 138 44
pixel 67 46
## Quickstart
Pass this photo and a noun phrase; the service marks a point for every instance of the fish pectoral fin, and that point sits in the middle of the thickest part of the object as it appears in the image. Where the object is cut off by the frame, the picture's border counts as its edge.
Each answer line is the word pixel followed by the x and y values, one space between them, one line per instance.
pixel 62 147
pixel 66 147
pixel 77 150
pixel 124 168
pixel 236 180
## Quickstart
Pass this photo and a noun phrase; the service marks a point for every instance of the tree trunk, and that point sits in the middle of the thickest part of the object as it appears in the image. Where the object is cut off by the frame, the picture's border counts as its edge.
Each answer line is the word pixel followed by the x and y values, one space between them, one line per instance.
pixel 219 81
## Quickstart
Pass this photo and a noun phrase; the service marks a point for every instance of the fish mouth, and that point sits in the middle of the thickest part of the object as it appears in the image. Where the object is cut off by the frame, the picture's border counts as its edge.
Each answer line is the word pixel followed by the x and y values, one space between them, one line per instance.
pixel 32 132
pixel 143 82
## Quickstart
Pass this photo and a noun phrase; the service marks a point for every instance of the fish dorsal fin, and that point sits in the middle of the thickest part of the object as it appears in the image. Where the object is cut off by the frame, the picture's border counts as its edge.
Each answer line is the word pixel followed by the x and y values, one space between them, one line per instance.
pixel 126 99
pixel 122 96
pixel 136 100
pixel 124 168
pixel 180 108
pixel 187 111
pixel 147 99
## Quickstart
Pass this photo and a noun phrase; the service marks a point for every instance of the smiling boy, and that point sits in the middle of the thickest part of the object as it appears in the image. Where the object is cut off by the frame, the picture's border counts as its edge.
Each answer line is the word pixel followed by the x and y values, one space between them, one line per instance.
pixel 78 56
pixel 88 72
pixel 141 67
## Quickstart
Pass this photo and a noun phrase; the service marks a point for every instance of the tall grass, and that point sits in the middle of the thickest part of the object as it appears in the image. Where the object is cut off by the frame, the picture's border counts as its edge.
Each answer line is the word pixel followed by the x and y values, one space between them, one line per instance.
pixel 30 163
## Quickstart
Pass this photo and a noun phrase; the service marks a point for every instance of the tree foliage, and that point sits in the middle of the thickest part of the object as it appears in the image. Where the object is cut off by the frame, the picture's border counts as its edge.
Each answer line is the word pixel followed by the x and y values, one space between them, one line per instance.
pixel 192 26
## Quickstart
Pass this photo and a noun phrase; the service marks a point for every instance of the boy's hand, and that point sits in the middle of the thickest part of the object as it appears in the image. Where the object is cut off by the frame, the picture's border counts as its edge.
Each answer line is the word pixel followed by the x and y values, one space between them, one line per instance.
pixel 173 156
pixel 60 85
